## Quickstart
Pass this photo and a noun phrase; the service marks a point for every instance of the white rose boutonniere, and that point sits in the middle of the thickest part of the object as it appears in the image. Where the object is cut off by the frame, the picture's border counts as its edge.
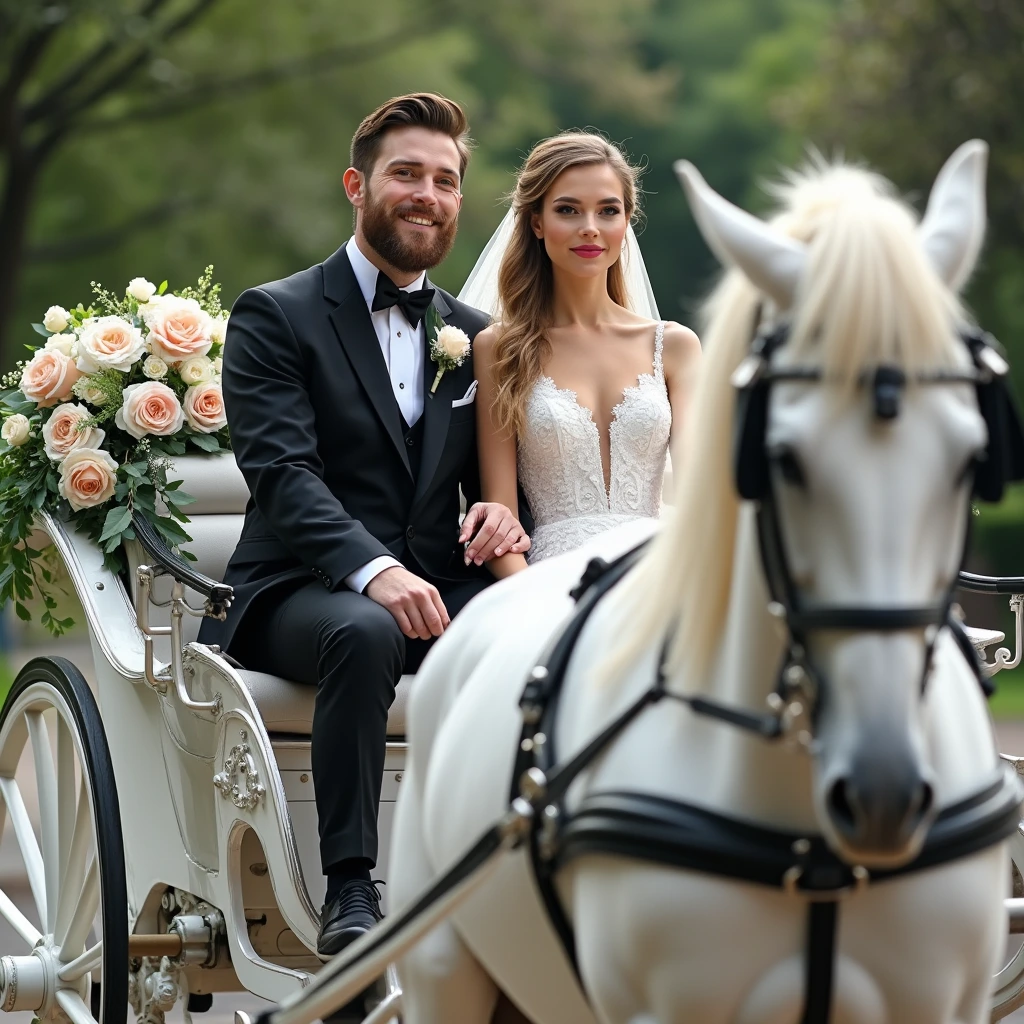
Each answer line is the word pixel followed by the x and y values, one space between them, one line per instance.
pixel 449 350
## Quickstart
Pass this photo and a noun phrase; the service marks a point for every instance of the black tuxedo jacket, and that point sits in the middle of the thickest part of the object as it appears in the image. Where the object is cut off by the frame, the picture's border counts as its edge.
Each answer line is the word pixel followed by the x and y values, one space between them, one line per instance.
pixel 318 436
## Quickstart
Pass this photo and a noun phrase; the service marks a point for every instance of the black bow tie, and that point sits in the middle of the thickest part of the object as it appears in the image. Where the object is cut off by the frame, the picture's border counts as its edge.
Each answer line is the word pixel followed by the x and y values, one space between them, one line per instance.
pixel 413 304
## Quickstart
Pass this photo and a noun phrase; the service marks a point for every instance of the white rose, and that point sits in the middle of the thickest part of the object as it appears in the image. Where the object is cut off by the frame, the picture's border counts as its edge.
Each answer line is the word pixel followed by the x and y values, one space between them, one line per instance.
pixel 62 342
pixel 141 289
pixel 218 366
pixel 219 330
pixel 15 430
pixel 108 342
pixel 87 478
pixel 154 368
pixel 64 431
pixel 56 319
pixel 452 343
pixel 195 369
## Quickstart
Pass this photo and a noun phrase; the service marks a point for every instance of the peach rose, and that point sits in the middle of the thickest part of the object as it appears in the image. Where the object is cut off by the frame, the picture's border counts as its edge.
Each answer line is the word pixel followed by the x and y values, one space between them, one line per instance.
pixel 109 343
pixel 48 377
pixel 204 407
pixel 149 408
pixel 62 432
pixel 87 478
pixel 178 328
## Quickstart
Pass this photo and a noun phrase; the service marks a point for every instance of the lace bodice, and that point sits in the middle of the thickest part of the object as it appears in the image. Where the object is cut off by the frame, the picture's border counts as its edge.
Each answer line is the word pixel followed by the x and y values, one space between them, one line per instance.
pixel 560 465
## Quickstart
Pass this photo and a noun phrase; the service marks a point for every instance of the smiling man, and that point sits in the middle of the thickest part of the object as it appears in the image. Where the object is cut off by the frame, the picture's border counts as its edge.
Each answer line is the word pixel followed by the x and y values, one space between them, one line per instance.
pixel 350 561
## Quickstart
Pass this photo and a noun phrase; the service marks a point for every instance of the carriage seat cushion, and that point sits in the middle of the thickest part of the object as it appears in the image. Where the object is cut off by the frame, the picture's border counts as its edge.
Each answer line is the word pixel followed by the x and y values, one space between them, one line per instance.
pixel 286 706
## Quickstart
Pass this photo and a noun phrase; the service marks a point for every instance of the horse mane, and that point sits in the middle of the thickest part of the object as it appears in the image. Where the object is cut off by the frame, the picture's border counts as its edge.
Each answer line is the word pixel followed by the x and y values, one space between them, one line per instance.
pixel 869 296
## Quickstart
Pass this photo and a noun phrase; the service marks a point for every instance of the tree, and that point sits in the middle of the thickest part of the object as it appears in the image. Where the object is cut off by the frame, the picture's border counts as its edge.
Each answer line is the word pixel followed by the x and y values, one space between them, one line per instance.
pixel 903 84
pixel 159 135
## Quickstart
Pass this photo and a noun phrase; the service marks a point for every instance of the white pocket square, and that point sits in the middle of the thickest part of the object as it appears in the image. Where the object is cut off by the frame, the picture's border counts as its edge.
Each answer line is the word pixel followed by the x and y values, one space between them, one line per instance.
pixel 467 398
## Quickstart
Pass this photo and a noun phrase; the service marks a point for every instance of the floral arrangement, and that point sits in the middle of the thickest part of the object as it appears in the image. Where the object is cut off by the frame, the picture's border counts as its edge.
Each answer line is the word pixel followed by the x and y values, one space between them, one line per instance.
pixel 93 416
pixel 448 348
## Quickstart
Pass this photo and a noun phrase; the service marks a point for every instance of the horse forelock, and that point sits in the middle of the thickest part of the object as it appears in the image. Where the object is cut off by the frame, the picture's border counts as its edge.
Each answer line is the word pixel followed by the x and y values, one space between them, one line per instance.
pixel 869 296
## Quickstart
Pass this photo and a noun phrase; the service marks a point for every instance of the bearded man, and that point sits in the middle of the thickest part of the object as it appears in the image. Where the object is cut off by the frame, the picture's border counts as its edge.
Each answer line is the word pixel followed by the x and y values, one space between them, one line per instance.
pixel 350 561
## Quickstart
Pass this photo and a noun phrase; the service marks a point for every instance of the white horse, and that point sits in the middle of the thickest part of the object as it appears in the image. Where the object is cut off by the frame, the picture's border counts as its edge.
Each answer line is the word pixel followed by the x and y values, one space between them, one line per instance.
pixel 871 489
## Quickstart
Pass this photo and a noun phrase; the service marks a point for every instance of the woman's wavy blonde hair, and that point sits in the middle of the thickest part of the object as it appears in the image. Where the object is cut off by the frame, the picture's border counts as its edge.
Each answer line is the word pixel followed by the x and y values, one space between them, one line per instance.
pixel 525 280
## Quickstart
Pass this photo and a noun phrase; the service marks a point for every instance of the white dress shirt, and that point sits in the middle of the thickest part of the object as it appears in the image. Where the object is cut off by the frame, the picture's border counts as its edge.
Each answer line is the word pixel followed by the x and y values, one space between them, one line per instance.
pixel 403 347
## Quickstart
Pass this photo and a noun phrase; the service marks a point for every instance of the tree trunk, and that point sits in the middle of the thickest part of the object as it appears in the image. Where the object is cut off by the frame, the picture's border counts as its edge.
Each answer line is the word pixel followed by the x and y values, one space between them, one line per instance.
pixel 19 184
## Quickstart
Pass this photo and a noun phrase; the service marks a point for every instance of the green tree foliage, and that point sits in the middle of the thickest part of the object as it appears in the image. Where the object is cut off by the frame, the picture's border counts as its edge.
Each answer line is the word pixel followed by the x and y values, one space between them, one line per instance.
pixel 903 84
pixel 185 132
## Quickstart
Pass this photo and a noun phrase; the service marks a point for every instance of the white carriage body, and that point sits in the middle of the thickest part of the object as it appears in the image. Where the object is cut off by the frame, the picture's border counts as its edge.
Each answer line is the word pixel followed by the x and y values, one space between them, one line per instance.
pixel 213 776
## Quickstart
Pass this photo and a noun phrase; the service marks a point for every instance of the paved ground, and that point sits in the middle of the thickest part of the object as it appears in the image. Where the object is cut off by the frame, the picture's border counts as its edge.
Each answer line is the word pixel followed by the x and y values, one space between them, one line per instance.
pixel 12 880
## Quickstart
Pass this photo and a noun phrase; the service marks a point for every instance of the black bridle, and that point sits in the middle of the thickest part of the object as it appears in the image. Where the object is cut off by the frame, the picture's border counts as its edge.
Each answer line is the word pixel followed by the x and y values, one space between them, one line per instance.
pixel 800 683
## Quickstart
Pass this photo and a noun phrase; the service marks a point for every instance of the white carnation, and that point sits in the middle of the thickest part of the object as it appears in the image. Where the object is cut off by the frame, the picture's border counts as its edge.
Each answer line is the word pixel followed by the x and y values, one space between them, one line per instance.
pixel 154 368
pixel 219 330
pixel 56 319
pixel 63 342
pixel 141 289
pixel 196 369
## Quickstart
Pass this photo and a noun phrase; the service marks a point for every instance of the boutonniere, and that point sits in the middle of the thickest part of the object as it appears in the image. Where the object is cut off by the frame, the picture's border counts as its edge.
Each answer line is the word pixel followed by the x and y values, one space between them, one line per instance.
pixel 448 348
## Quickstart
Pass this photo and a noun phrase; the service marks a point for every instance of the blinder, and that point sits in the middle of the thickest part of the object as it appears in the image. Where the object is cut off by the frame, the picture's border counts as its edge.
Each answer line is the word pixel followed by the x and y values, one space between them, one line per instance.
pixel 1001 463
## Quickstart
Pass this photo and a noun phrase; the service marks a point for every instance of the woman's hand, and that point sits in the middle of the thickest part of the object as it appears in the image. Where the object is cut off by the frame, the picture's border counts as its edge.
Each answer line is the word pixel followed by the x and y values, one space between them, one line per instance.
pixel 493 531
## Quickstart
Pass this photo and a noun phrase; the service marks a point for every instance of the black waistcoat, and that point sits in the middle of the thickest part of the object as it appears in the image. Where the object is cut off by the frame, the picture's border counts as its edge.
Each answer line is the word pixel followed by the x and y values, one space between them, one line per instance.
pixel 414 444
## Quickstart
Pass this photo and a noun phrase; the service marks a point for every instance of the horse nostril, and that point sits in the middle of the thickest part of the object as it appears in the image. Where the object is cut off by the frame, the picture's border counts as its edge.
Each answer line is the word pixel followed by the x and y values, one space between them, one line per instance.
pixel 841 808
pixel 925 797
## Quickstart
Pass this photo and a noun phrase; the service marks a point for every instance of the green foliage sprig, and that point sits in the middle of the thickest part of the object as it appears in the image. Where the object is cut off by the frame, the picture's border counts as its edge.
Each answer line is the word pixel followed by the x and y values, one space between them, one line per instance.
pixel 93 419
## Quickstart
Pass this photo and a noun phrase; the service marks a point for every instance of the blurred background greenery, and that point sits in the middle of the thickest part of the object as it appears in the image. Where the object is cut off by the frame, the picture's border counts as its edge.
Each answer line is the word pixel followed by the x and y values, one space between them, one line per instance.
pixel 151 137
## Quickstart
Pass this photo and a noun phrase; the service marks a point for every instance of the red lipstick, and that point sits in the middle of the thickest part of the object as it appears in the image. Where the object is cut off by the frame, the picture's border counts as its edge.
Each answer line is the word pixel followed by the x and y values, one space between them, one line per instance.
pixel 588 252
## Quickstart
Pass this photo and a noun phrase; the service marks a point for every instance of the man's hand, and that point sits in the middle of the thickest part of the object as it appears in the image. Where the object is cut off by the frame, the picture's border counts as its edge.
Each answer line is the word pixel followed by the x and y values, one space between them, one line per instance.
pixel 498 532
pixel 415 604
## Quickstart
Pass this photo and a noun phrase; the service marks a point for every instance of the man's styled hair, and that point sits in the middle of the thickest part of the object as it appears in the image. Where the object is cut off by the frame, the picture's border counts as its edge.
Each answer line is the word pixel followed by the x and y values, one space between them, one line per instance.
pixel 417 110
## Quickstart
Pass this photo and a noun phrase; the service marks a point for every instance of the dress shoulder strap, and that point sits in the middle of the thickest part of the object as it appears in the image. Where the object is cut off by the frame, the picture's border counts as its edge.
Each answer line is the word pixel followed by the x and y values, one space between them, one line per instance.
pixel 659 344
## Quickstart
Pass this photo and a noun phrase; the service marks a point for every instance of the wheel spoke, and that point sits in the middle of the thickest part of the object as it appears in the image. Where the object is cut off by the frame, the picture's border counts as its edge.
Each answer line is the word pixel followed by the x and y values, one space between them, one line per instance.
pixel 17 920
pixel 67 791
pixel 46 786
pixel 88 961
pixel 30 854
pixel 74 1006
pixel 73 941
pixel 79 855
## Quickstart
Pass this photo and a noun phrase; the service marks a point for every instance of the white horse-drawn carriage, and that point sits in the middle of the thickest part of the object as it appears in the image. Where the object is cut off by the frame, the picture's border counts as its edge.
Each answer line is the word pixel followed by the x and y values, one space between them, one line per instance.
pixel 176 849
pixel 176 856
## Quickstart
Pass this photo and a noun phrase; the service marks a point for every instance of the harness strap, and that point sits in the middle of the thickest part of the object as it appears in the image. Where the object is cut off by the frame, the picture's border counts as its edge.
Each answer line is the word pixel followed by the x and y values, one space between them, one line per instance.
pixel 822 920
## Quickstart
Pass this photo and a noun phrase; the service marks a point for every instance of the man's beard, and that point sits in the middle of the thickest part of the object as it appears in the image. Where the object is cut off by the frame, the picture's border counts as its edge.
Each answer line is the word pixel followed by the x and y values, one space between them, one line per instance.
pixel 380 229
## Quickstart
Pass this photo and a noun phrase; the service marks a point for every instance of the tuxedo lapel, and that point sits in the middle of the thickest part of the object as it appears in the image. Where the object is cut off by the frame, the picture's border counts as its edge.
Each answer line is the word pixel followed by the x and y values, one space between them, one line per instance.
pixel 351 320
pixel 437 410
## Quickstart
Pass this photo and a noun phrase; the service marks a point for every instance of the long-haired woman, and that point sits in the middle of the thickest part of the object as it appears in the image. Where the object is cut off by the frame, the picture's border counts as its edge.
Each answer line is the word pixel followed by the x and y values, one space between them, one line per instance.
pixel 578 390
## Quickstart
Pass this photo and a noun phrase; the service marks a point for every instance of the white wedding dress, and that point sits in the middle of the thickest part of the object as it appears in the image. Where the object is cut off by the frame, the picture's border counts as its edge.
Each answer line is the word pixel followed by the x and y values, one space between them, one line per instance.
pixel 560 467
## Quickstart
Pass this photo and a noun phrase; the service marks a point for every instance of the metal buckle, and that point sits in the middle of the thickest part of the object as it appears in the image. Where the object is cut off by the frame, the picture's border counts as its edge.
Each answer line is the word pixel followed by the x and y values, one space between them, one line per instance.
pixel 791 885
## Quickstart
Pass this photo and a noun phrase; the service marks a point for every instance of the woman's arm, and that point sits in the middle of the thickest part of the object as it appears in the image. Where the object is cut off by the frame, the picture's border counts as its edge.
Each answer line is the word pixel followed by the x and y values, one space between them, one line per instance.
pixel 681 357
pixel 496 448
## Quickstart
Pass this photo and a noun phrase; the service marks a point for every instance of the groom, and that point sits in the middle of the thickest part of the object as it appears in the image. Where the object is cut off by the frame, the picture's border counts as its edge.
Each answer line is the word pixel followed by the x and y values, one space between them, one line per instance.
pixel 350 561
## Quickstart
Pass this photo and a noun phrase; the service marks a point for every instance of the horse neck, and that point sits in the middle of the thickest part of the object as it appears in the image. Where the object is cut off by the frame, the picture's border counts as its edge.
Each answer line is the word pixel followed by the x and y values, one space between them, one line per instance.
pixel 754 778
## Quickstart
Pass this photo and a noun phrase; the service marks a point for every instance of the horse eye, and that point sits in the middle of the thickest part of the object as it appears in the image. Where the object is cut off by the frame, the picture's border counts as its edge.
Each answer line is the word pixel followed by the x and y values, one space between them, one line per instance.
pixel 789 465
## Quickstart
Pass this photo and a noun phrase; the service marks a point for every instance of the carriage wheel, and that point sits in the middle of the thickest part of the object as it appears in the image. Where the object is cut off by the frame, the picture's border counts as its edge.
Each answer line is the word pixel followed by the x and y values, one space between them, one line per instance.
pixel 73 918
pixel 1008 984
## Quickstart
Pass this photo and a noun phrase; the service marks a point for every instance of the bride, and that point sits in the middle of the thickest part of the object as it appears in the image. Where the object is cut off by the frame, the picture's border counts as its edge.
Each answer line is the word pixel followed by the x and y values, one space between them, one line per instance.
pixel 579 392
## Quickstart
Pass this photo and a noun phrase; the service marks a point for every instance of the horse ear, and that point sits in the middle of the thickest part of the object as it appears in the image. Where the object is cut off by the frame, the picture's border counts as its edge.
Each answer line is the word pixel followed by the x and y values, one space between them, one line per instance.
pixel 772 261
pixel 954 223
